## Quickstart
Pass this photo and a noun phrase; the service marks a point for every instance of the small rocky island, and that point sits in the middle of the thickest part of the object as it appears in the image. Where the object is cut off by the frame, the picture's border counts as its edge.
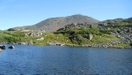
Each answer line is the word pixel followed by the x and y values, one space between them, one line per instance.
pixel 115 33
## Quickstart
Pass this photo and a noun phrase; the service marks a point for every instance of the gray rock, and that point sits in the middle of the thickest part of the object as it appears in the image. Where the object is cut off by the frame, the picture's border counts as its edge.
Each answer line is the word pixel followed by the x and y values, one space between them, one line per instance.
pixel 90 36
pixel 0 50
pixel 22 43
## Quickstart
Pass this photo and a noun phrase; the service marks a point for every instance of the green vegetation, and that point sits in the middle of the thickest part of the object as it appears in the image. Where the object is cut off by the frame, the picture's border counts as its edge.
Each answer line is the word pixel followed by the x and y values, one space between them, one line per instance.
pixel 11 37
pixel 122 45
pixel 51 37
pixel 82 30
pixel 80 36
pixel 73 36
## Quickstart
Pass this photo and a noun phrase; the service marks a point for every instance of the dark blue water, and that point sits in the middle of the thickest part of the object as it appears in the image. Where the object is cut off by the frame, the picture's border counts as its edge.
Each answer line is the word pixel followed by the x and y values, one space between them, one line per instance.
pixel 52 60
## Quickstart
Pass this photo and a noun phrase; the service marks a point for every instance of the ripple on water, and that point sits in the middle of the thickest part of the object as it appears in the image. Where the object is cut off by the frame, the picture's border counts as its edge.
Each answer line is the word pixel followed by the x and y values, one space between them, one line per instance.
pixel 52 60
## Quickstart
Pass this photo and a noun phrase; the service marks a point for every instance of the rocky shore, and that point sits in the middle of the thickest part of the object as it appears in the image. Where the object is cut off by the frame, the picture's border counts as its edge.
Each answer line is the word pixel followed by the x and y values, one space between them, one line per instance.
pixel 99 46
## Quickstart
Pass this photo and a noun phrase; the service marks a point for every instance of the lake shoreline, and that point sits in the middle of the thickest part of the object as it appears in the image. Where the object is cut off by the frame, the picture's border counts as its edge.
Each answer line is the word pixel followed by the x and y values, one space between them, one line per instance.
pixel 74 45
pixel 95 46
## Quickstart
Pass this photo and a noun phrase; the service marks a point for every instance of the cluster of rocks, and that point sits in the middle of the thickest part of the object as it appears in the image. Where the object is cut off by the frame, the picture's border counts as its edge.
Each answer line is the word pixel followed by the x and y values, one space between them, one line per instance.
pixel 26 43
pixel 109 45
pixel 125 33
pixel 76 25
pixel 34 34
pixel 106 45
pixel 55 44
pixel 3 47
pixel 21 43
pixel 101 25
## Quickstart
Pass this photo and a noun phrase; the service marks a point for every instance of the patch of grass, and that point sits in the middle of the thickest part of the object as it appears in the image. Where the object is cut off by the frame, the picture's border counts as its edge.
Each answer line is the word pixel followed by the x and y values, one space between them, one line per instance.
pixel 122 45
pixel 105 38
pixel 51 37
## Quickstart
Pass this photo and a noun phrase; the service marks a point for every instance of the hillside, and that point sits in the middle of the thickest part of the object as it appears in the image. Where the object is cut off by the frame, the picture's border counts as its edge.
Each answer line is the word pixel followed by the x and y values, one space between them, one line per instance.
pixel 109 33
pixel 53 24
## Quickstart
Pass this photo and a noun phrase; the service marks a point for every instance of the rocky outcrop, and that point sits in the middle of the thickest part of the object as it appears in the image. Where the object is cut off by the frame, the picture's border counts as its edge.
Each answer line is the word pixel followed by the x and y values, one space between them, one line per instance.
pixel 55 44
pixel 26 43
pixel 76 25
pixel 34 34
pixel 88 36
pixel 121 28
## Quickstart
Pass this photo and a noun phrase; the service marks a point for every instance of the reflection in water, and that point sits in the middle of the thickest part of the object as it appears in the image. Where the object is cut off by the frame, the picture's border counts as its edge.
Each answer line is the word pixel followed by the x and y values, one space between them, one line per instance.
pixel 50 60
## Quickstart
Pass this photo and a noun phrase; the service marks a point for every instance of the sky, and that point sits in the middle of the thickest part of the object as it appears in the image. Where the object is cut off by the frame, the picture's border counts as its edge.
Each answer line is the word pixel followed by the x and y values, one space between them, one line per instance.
pixel 14 13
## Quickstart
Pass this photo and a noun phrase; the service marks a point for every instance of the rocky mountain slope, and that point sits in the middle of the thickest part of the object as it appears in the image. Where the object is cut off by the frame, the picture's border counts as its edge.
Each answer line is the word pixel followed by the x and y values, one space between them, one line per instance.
pixel 120 28
pixel 53 24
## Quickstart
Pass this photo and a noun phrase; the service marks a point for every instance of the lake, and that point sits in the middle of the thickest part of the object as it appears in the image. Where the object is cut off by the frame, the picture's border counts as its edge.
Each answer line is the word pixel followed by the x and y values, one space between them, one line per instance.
pixel 55 60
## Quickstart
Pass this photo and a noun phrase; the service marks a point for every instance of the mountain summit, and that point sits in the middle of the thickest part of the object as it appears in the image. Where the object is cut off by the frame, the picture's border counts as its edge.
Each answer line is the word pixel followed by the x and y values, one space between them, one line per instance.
pixel 53 24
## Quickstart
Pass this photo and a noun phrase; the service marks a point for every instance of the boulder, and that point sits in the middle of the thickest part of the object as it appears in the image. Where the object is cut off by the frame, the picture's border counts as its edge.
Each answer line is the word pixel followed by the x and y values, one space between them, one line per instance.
pixel 11 47
pixel 86 36
pixel 3 47
pixel 0 50
pixel 90 36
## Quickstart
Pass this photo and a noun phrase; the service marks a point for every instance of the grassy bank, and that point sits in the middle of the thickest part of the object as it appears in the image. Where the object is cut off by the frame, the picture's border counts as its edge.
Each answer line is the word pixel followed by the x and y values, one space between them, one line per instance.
pixel 61 37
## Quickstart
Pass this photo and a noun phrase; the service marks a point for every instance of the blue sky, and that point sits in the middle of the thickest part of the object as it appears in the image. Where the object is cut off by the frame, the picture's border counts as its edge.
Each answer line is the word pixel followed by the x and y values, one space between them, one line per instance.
pixel 28 12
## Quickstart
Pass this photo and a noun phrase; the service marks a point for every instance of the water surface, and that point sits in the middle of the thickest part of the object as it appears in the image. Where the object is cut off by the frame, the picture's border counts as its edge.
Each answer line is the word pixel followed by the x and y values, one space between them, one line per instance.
pixel 53 60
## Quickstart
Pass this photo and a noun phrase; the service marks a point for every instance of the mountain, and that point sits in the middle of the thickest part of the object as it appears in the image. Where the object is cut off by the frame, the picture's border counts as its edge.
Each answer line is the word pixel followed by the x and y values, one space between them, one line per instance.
pixel 115 33
pixel 53 24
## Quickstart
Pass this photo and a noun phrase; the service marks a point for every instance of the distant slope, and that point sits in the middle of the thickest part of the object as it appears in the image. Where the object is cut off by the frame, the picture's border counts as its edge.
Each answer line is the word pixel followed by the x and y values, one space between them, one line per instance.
pixel 53 24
